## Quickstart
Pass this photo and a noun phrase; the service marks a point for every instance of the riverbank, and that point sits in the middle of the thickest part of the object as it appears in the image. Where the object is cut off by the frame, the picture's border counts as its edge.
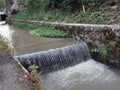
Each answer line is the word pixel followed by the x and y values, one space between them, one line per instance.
pixel 12 75
pixel 10 72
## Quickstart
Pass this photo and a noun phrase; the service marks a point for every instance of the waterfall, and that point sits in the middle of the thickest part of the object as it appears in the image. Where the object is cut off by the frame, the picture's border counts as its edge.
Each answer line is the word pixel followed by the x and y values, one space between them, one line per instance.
pixel 55 59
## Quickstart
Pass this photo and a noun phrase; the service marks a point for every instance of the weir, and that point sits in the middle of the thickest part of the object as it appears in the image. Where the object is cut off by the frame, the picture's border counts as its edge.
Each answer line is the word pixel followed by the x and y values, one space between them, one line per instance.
pixel 55 59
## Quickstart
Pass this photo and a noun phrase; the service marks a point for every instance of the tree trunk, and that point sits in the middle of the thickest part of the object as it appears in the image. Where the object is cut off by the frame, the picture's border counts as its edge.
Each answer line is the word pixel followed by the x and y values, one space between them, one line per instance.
pixel 11 7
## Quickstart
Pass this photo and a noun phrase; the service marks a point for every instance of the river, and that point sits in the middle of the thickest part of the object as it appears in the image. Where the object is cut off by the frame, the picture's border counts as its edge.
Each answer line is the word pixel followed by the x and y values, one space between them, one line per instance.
pixel 89 75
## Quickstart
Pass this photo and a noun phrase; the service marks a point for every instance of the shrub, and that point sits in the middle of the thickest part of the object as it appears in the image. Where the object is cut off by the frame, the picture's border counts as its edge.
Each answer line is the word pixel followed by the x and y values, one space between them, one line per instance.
pixel 60 4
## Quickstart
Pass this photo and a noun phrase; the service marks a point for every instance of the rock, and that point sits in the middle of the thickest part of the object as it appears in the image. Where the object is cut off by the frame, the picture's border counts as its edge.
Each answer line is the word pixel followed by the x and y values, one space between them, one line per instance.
pixel 114 7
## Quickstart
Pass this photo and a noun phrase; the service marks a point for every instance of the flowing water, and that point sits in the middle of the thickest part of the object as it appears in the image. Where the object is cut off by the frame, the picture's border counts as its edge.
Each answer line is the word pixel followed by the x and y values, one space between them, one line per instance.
pixel 87 75
pixel 25 43
pixel 6 33
pixel 56 59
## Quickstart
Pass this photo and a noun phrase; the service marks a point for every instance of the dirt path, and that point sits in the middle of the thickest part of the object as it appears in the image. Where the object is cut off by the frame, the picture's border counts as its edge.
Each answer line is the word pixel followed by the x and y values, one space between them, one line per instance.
pixel 10 74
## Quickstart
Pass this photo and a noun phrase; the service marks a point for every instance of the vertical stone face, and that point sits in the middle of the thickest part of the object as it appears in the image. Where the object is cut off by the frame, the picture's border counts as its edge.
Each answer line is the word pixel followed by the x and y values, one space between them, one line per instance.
pixel 11 7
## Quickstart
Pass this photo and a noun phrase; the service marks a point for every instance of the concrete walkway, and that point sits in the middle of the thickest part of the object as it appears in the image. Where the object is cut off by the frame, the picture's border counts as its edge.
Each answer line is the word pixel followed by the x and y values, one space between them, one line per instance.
pixel 10 74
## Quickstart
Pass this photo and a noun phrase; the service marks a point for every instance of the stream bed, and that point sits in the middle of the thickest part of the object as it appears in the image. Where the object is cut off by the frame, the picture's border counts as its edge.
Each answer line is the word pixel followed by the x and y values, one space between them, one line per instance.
pixel 89 75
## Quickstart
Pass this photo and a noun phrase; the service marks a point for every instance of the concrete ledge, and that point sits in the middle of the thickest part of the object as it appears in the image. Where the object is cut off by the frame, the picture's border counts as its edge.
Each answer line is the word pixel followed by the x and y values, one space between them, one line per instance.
pixel 115 28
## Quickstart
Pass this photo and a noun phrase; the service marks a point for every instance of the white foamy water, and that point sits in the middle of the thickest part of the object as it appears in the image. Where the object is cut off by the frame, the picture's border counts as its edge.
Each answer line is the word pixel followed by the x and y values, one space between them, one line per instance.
pixel 90 72
pixel 6 32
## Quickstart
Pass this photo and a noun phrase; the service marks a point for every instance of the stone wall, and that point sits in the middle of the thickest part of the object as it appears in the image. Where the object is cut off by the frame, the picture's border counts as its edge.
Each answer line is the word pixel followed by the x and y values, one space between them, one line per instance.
pixel 97 35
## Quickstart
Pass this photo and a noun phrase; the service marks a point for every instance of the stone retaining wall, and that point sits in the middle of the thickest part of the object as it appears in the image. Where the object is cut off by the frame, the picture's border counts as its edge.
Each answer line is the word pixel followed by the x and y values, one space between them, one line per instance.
pixel 97 34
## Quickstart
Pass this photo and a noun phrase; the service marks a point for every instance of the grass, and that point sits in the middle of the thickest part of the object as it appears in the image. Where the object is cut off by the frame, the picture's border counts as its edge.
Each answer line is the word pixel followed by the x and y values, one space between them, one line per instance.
pixel 53 15
pixel 104 52
pixel 25 26
pixel 1 5
pixel 94 17
pixel 48 32
pixel 35 30
pixel 61 16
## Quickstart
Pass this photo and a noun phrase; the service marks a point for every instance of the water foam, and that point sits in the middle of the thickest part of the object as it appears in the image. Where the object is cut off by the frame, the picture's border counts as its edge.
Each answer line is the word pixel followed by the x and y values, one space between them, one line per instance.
pixel 59 58
pixel 6 33
pixel 83 73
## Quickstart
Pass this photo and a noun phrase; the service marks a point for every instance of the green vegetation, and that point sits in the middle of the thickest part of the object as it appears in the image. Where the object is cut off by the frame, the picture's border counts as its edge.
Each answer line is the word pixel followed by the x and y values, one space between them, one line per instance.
pixel 78 38
pixel 94 18
pixel 67 5
pixel 102 53
pixel 48 32
pixel 4 48
pixel 1 4
pixel 41 31
pixel 34 88
pixel 35 77
pixel 33 72
pixel 25 26
pixel 76 11
pixel 94 50
pixel 106 54
pixel 62 16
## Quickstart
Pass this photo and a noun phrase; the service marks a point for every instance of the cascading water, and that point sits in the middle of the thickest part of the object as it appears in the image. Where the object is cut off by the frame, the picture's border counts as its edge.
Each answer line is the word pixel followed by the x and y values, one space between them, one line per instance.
pixel 57 58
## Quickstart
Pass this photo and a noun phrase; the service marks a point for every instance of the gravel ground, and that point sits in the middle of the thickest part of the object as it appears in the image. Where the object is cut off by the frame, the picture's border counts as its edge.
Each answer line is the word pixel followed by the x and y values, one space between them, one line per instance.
pixel 10 74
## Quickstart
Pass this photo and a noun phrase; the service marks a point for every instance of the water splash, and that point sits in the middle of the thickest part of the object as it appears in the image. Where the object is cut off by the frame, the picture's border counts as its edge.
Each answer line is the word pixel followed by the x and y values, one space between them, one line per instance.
pixel 6 33
pixel 89 72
